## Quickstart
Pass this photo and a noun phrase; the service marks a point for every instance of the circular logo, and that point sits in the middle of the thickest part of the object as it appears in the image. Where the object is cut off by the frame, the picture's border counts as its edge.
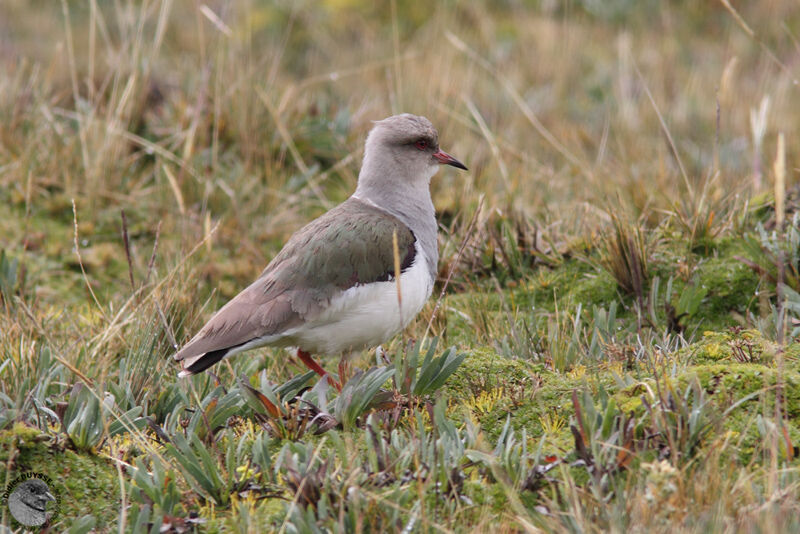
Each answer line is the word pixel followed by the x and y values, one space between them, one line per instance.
pixel 30 499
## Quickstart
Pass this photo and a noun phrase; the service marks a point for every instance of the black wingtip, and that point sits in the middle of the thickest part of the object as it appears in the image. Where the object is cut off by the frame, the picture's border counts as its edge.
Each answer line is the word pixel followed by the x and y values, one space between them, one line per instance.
pixel 203 362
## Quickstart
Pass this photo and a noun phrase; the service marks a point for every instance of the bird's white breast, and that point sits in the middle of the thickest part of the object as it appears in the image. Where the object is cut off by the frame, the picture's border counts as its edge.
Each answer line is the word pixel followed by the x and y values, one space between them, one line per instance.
pixel 367 315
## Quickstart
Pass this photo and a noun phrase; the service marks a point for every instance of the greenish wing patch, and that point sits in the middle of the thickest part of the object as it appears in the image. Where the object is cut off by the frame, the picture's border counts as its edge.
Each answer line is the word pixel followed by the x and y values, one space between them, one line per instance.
pixel 329 255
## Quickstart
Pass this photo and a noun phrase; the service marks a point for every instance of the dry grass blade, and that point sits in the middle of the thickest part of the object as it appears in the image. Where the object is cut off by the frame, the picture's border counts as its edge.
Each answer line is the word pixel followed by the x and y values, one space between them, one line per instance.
pixel 490 139
pixel 126 242
pixel 397 271
pixel 671 141
pixel 77 246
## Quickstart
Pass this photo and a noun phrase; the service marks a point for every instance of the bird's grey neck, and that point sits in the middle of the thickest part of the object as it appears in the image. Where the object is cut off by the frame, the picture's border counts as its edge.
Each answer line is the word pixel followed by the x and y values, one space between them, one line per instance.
pixel 409 202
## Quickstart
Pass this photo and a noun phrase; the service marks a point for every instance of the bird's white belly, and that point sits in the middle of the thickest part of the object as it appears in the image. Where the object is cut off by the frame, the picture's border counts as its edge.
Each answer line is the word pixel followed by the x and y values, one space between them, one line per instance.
pixel 369 314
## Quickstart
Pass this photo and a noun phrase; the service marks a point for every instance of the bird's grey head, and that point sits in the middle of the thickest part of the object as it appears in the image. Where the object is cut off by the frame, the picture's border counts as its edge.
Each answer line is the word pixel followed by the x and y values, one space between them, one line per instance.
pixel 402 151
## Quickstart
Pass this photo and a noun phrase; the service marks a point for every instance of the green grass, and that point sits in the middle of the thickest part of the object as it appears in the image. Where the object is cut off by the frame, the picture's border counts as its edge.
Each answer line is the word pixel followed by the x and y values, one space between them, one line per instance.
pixel 592 397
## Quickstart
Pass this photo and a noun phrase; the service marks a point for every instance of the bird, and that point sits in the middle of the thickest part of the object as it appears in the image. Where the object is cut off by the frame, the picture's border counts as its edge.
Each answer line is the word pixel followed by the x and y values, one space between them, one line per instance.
pixel 332 289
pixel 28 502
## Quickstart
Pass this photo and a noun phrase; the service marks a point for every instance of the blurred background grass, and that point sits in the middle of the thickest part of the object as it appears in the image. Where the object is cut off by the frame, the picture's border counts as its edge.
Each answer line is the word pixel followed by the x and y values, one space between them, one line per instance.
pixel 253 114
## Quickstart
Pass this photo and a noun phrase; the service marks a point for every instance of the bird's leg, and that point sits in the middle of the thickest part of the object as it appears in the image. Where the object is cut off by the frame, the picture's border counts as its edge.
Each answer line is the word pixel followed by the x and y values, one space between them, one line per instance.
pixel 306 358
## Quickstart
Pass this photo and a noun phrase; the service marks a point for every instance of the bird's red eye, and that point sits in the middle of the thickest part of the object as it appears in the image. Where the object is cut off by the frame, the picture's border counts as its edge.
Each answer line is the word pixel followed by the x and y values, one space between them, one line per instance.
pixel 421 144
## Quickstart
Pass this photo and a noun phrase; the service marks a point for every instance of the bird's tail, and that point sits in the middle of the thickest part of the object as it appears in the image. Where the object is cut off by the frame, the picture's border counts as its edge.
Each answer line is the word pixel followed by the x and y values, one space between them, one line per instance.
pixel 201 362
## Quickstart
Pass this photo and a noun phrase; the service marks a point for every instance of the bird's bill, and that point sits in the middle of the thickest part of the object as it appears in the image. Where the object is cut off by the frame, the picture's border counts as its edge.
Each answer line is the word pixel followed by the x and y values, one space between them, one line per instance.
pixel 446 159
pixel 49 496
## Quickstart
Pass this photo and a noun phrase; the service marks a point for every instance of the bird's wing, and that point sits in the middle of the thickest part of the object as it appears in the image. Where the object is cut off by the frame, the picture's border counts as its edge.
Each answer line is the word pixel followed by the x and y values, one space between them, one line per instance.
pixel 351 244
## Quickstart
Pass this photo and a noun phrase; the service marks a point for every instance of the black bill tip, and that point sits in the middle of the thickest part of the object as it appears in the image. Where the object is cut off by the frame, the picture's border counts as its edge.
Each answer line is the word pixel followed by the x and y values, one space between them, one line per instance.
pixel 446 159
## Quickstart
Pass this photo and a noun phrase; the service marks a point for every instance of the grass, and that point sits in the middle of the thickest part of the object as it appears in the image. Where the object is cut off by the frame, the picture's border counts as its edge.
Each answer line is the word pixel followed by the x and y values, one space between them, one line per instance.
pixel 612 356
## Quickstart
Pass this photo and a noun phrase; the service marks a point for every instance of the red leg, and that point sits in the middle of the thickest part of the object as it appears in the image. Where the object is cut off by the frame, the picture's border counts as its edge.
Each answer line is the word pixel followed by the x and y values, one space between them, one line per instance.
pixel 306 358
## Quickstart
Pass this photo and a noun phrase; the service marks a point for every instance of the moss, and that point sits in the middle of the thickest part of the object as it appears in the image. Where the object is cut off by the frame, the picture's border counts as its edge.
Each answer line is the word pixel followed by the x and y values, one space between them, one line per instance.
pixel 734 381
pixel 629 399
pixel 266 515
pixel 739 346
pixel 471 314
pixel 551 404
pixel 485 370
pixel 726 384
pixel 791 356
pixel 86 485
pixel 729 382
pixel 731 286
pixel 16 438
pixel 490 388
pixel 743 346
pixel 598 289
pixel 482 494
pixel 571 282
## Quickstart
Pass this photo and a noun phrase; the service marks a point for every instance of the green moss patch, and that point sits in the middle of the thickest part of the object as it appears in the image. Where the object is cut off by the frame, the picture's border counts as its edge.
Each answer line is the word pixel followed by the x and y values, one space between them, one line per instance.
pixel 725 384
pixel 484 370
pixel 742 346
pixel 731 286
pixel 490 388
